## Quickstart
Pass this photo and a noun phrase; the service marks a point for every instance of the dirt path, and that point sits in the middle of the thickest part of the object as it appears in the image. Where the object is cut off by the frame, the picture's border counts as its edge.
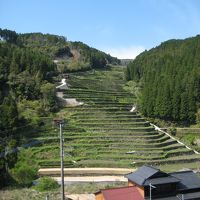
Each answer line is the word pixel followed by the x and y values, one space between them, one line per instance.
pixel 63 83
pixel 81 196
pixel 88 179
pixel 87 175
pixel 85 171
pixel 67 101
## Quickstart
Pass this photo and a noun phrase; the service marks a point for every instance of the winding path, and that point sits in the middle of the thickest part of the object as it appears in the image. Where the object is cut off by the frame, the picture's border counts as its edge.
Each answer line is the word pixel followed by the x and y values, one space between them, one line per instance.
pixel 63 83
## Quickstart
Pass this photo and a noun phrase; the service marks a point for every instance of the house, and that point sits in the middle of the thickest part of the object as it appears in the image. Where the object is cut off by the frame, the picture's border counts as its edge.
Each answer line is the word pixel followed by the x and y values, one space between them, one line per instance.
pixel 151 181
pixel 123 193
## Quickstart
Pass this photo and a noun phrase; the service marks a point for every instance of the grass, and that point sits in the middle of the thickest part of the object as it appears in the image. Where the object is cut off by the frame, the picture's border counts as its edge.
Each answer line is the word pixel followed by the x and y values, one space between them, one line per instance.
pixel 25 194
pixel 31 194
pixel 102 131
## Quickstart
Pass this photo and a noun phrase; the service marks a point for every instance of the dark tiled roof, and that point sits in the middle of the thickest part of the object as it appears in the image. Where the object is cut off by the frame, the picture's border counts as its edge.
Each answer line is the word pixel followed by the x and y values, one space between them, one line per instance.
pixel 161 180
pixel 190 196
pixel 123 193
pixel 188 180
pixel 165 198
pixel 142 174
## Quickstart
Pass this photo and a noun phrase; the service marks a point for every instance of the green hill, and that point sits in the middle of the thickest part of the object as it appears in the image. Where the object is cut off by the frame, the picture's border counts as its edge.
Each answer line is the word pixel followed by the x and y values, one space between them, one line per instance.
pixel 29 64
pixel 69 56
pixel 104 133
pixel 170 77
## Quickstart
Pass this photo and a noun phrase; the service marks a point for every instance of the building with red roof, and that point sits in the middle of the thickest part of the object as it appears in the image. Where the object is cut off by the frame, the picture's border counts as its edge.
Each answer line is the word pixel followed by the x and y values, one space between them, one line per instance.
pixel 122 193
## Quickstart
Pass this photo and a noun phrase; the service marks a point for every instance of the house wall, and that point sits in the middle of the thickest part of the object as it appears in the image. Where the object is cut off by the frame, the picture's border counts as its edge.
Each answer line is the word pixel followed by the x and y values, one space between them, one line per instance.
pixel 131 183
pixel 161 190
pixel 139 188
pixel 99 196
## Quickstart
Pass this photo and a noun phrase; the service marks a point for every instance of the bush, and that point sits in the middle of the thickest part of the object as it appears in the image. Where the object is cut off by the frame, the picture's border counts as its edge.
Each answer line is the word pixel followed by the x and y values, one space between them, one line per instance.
pixel 46 184
pixel 25 170
pixel 23 174
pixel 172 131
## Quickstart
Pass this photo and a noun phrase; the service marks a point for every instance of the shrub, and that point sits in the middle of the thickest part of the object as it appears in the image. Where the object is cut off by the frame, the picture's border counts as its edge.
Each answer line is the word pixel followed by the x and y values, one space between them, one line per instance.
pixel 25 170
pixel 23 174
pixel 46 184
pixel 172 131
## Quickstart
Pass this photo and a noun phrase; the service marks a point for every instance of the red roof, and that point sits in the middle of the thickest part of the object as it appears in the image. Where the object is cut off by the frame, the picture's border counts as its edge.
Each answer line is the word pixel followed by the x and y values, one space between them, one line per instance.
pixel 123 193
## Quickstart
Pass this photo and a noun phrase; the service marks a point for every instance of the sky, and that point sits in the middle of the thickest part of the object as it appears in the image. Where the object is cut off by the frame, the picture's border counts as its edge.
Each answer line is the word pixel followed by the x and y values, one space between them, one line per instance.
pixel 122 28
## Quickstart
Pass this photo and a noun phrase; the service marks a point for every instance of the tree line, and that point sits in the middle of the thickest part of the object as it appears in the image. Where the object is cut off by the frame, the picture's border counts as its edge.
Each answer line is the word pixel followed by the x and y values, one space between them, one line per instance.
pixel 57 47
pixel 24 75
pixel 26 80
pixel 170 77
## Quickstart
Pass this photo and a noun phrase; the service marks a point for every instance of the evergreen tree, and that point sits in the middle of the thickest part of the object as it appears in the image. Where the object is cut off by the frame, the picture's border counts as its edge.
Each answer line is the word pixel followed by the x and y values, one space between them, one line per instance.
pixel 173 92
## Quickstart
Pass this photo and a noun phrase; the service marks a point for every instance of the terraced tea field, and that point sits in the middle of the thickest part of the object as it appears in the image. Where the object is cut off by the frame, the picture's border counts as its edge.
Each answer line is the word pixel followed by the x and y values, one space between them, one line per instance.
pixel 104 133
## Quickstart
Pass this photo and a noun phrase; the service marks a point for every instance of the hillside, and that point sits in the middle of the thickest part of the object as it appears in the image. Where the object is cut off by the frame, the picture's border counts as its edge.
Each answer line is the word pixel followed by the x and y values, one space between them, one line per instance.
pixel 69 56
pixel 27 85
pixel 169 76
pixel 104 133
pixel 101 131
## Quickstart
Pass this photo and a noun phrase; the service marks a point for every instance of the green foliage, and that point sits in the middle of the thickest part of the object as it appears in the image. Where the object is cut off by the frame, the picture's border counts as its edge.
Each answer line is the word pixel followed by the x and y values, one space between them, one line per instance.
pixel 50 45
pixel 198 116
pixel 11 156
pixel 23 174
pixel 3 173
pixel 9 36
pixel 22 72
pixel 70 56
pixel 189 138
pixel 25 170
pixel 9 115
pixel 49 97
pixel 170 76
pixel 72 66
pixel 172 131
pixel 96 58
pixel 46 184
pixel 31 111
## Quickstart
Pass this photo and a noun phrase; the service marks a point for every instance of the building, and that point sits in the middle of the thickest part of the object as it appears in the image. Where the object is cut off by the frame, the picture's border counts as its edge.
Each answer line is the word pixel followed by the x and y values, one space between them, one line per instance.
pixel 152 182
pixel 123 193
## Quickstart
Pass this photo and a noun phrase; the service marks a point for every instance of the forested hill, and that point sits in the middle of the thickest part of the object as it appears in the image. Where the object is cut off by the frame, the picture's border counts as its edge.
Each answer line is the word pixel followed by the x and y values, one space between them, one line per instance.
pixel 69 56
pixel 170 78
pixel 28 66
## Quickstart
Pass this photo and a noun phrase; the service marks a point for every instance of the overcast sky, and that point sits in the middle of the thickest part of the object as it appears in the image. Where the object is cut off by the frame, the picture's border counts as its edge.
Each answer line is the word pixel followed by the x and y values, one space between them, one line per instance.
pixel 123 28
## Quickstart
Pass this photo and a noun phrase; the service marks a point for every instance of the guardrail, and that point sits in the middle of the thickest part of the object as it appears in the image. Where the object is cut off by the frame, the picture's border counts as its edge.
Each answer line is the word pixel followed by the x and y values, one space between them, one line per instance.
pixel 173 138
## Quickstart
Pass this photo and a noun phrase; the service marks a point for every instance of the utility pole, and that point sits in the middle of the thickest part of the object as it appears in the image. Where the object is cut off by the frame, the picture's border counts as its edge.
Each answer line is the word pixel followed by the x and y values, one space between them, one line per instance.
pixel 60 122
pixel 150 188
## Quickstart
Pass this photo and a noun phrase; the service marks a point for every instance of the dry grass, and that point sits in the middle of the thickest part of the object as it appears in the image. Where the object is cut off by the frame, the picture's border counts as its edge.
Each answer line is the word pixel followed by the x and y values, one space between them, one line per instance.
pixel 26 194
pixel 30 194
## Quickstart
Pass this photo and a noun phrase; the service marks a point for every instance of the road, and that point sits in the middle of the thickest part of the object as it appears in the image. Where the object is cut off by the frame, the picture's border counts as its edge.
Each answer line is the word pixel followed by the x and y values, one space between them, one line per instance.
pixel 89 179
pixel 85 171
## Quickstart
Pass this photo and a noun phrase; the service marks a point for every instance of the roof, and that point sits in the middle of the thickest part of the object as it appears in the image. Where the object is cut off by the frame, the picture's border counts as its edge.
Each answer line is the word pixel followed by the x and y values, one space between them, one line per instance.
pixel 143 173
pixel 188 180
pixel 192 196
pixel 187 196
pixel 161 180
pixel 123 193
pixel 165 198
